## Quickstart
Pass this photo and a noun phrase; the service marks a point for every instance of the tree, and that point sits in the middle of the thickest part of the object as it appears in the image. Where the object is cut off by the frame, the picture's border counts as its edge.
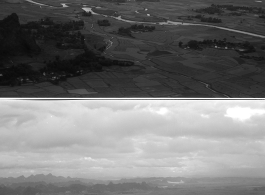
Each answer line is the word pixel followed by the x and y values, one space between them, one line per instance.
pixel 140 26
pixel 57 57
pixel 193 44
pixel 180 44
pixel 82 39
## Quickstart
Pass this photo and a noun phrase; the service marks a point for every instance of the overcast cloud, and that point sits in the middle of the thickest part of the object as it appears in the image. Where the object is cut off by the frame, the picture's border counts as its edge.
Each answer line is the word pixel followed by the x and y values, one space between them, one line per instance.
pixel 97 139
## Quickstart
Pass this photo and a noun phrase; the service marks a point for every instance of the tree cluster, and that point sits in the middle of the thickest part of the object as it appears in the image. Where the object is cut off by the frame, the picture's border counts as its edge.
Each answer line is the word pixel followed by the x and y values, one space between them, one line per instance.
pixel 259 10
pixel 71 41
pixel 235 14
pixel 58 69
pixel 210 19
pixel 16 75
pixel 86 62
pixel 125 32
pixel 253 58
pixel 103 23
pixel 13 39
pixel 86 13
pixel 147 0
pixel 116 1
pixel 62 33
pixel 46 21
pixel 142 28
pixel 128 31
pixel 244 47
pixel 73 188
pixel 210 10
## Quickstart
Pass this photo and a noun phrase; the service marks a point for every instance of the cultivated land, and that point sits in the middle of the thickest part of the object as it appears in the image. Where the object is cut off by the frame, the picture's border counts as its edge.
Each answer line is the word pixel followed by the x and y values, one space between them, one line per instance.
pixel 202 189
pixel 52 185
pixel 181 189
pixel 162 68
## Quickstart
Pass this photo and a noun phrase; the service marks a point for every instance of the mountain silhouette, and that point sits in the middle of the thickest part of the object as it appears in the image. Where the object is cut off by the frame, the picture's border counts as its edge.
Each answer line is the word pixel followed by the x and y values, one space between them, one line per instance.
pixel 32 188
pixel 36 178
pixel 13 40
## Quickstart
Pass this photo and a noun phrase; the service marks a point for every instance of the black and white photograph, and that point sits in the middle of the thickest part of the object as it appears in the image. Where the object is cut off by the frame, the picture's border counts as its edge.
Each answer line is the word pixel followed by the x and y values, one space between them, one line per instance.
pixel 132 147
pixel 132 97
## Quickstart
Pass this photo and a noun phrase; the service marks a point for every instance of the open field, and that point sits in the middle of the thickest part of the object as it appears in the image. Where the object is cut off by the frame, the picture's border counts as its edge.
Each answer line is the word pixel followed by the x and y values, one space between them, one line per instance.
pixel 202 189
pixel 157 52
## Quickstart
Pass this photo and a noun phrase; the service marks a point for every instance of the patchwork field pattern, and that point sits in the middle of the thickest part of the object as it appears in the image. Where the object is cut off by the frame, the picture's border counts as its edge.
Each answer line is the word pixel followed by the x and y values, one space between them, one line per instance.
pixel 162 68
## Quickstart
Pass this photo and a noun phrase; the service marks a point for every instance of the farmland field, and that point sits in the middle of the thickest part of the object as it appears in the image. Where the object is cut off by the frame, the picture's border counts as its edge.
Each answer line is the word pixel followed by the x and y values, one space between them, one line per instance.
pixel 226 72
pixel 203 189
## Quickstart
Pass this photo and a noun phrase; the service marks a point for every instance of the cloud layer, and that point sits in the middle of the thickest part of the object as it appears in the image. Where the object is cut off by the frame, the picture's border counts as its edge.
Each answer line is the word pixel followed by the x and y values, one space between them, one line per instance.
pixel 132 138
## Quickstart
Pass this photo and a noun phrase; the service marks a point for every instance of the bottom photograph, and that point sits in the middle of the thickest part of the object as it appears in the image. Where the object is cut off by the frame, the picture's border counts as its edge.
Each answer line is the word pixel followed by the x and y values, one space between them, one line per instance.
pixel 132 147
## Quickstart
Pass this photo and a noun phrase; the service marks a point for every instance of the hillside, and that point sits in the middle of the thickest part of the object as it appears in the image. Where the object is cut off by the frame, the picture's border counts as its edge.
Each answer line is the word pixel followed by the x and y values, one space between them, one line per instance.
pixel 13 40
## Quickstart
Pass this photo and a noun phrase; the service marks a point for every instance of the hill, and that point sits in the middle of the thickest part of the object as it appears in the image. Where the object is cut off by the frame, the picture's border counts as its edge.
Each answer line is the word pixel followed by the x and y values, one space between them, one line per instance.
pixel 13 40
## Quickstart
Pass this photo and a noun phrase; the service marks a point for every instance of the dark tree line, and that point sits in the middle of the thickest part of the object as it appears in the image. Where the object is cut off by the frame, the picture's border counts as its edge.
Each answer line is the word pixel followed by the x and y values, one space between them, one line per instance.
pixel 16 75
pixel 142 28
pixel 210 19
pixel 86 62
pixel 73 188
pixel 63 33
pixel 86 13
pixel 116 1
pixel 244 47
pixel 259 10
pixel 210 10
pixel 103 23
pixel 125 32
pixel 128 31
pixel 58 69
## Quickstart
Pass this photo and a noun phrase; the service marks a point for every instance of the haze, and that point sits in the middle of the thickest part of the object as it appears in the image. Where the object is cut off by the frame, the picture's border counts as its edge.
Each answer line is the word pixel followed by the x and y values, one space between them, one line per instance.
pixel 117 139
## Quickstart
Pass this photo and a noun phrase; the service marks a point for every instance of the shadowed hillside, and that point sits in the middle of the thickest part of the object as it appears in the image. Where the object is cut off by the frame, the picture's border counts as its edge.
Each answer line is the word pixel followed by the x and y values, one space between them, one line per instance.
pixel 14 41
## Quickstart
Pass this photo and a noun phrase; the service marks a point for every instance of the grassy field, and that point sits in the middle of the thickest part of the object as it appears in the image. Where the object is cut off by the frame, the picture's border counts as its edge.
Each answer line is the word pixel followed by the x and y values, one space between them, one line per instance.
pixel 203 189
pixel 223 69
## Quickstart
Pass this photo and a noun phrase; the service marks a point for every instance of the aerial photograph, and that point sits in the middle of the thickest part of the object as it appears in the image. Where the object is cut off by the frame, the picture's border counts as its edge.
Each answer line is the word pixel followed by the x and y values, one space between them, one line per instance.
pixel 132 48
pixel 134 147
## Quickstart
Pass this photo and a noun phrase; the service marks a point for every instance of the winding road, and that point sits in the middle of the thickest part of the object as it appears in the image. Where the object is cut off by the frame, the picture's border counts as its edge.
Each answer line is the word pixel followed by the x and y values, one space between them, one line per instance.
pixel 173 23
pixel 169 22
pixel 208 86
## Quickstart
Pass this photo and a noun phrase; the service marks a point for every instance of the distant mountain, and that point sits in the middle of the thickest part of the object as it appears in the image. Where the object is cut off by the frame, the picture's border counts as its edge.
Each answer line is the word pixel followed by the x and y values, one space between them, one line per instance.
pixel 40 178
pixel 121 184
pixel 175 181
pixel 13 40
pixel 31 189
pixel 49 179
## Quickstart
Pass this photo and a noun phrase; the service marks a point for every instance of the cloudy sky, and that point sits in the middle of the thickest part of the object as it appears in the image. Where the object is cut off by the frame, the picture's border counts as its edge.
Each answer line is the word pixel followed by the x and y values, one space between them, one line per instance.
pixel 103 139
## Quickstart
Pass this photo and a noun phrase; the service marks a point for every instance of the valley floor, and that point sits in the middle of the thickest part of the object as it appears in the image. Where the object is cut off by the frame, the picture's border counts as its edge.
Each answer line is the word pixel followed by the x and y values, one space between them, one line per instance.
pixel 162 69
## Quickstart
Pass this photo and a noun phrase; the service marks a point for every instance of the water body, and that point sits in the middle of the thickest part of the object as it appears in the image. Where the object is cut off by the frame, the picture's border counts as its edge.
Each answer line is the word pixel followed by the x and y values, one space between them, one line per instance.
pixel 176 182
pixel 172 23
pixel 63 4
pixel 208 86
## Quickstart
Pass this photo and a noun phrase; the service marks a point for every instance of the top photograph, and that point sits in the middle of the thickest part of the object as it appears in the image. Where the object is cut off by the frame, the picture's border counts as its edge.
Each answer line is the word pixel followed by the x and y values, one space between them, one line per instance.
pixel 132 48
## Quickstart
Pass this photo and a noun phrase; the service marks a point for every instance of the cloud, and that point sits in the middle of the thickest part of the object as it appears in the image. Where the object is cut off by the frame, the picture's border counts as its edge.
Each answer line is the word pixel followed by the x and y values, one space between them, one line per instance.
pixel 131 138
pixel 243 113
